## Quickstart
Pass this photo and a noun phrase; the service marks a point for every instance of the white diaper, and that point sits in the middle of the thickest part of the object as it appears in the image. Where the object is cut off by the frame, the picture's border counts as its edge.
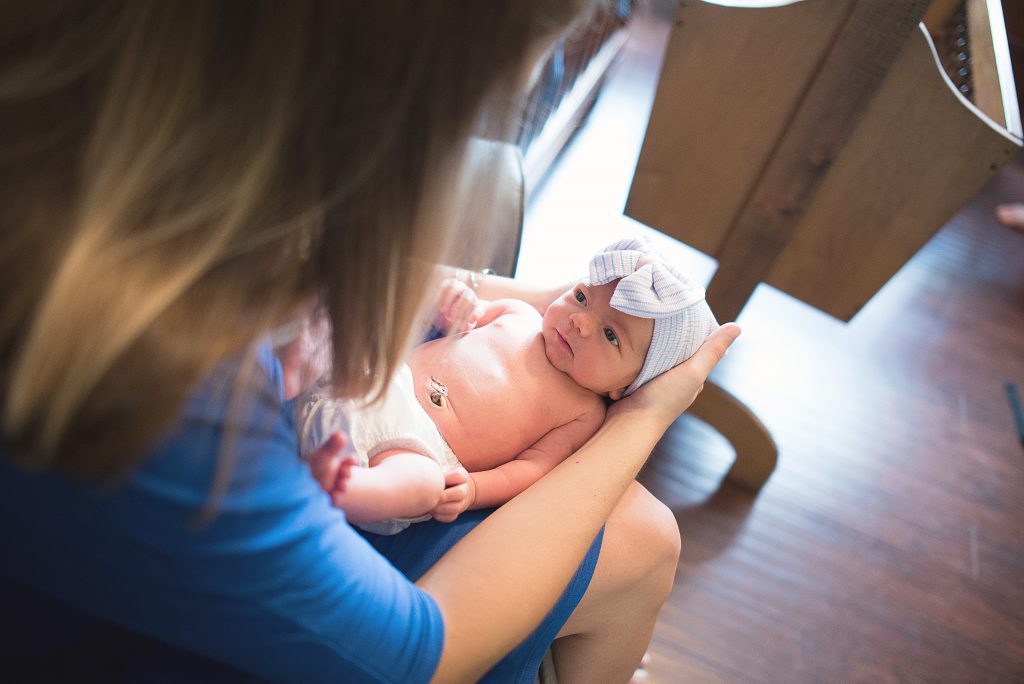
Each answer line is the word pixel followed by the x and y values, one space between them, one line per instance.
pixel 397 421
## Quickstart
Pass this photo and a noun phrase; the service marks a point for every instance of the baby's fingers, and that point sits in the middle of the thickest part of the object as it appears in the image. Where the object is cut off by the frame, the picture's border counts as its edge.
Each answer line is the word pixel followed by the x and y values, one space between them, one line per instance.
pixel 479 309
pixel 450 508
pixel 455 494
pixel 453 500
pixel 456 475
pixel 446 515
pixel 451 291
pixel 462 314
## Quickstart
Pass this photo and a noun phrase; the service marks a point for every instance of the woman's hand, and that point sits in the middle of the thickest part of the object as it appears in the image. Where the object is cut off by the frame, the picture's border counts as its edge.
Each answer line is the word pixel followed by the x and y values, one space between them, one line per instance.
pixel 671 393
pixel 330 468
pixel 492 287
pixel 306 357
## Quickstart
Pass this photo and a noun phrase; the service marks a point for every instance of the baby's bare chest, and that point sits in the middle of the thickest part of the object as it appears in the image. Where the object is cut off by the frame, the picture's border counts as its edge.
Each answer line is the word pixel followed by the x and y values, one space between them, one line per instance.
pixel 503 394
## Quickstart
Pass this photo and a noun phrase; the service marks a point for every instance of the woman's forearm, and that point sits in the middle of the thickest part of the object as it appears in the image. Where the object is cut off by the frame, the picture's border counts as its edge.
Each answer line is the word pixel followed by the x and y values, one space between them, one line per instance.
pixel 491 287
pixel 499 287
pixel 497 584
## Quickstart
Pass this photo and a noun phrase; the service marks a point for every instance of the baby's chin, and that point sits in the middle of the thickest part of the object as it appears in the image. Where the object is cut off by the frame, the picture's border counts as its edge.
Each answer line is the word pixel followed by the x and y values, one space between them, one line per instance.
pixel 600 391
pixel 553 360
pixel 568 371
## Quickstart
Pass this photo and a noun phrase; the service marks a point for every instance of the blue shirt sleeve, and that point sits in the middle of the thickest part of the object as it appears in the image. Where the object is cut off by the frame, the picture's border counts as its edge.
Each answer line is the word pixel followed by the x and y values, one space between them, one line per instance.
pixel 274 582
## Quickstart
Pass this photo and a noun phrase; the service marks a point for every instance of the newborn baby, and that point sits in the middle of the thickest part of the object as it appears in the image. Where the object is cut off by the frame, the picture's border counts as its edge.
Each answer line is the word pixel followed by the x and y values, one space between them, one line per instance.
pixel 474 418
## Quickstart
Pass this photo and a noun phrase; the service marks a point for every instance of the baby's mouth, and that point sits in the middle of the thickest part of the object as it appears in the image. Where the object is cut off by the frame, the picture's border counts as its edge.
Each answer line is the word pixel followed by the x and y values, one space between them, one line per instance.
pixel 564 341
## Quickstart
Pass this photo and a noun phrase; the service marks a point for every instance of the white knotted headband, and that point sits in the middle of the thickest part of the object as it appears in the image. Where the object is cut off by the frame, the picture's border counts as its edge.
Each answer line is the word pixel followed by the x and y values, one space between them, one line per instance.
pixel 655 289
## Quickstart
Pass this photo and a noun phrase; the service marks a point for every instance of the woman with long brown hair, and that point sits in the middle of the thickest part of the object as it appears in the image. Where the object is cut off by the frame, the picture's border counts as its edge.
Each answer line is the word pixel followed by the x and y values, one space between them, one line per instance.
pixel 180 179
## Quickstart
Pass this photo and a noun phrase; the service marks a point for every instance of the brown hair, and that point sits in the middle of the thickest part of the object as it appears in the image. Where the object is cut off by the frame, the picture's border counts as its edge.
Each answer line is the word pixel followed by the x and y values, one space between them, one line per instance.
pixel 180 177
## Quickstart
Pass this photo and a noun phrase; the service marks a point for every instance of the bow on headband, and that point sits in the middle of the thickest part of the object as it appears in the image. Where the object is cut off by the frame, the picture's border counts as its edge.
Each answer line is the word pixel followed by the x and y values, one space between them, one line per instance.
pixel 649 288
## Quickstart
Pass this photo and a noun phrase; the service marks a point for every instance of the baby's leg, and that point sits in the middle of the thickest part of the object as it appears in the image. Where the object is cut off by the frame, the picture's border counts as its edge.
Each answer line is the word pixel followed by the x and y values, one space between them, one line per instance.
pixel 397 484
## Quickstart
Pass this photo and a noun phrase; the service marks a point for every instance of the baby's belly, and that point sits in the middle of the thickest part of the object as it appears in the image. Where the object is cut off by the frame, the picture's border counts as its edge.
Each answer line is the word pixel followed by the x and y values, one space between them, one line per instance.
pixel 482 449
pixel 486 429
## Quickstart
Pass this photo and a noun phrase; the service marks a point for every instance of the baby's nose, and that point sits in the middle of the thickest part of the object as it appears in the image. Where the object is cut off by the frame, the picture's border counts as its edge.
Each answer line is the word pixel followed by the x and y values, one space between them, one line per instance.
pixel 583 323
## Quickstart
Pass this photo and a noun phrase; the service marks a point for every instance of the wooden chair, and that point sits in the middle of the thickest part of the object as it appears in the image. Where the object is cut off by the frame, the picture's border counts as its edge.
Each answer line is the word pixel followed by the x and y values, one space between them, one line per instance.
pixel 816 145
pixel 493 191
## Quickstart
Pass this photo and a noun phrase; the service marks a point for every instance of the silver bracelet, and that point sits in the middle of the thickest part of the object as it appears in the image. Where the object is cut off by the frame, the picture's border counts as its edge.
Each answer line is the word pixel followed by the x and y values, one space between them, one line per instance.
pixel 473 278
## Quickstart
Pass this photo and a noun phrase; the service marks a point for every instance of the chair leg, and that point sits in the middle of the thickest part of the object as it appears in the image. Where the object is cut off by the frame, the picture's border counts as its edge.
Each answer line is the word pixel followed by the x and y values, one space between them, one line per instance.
pixel 756 451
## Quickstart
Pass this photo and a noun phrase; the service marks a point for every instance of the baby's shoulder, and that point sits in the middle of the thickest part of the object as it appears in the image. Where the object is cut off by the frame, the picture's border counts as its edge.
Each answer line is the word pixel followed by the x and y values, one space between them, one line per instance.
pixel 519 310
pixel 519 307
pixel 594 408
pixel 581 404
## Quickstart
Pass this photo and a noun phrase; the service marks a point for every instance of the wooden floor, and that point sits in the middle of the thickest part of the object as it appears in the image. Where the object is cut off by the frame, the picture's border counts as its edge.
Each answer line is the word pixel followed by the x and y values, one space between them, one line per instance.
pixel 888 544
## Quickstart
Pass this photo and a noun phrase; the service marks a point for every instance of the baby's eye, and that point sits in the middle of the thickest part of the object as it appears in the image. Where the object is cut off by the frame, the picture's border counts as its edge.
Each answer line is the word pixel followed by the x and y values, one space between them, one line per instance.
pixel 610 335
pixel 437 399
pixel 580 297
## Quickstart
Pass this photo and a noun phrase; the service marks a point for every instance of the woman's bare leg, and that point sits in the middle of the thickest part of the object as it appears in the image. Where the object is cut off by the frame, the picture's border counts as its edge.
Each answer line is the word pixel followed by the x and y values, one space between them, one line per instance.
pixel 641 675
pixel 1011 214
pixel 609 632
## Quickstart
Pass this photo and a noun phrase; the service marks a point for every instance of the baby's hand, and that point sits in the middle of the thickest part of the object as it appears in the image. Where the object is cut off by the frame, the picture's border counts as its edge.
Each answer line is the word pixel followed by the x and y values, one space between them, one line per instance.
pixel 459 494
pixel 458 307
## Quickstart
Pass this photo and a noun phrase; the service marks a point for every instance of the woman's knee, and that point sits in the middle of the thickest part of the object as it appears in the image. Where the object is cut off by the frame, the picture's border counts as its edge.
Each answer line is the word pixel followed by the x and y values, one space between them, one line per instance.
pixel 650 532
pixel 661 536
pixel 635 571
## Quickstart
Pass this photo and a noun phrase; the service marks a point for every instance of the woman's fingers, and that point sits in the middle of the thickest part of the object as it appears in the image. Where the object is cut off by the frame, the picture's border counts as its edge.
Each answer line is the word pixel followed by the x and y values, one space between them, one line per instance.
pixel 712 351
pixel 672 392
pixel 326 460
pixel 344 473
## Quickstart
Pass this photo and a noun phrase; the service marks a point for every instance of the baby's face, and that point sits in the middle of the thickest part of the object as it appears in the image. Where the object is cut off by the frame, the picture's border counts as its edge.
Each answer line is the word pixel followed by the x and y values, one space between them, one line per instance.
pixel 599 347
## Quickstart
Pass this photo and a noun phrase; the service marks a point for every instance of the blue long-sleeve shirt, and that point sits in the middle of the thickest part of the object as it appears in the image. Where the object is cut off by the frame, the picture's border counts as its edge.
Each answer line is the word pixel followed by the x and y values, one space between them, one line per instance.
pixel 276 583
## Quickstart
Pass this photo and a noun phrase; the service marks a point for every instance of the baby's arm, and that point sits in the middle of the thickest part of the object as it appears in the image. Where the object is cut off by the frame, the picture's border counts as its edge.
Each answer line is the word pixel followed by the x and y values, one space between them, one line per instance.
pixel 397 484
pixel 496 486
pixel 458 308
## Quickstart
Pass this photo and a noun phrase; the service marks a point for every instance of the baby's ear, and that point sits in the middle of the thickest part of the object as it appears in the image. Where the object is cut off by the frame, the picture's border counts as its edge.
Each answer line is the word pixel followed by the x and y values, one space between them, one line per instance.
pixel 616 394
